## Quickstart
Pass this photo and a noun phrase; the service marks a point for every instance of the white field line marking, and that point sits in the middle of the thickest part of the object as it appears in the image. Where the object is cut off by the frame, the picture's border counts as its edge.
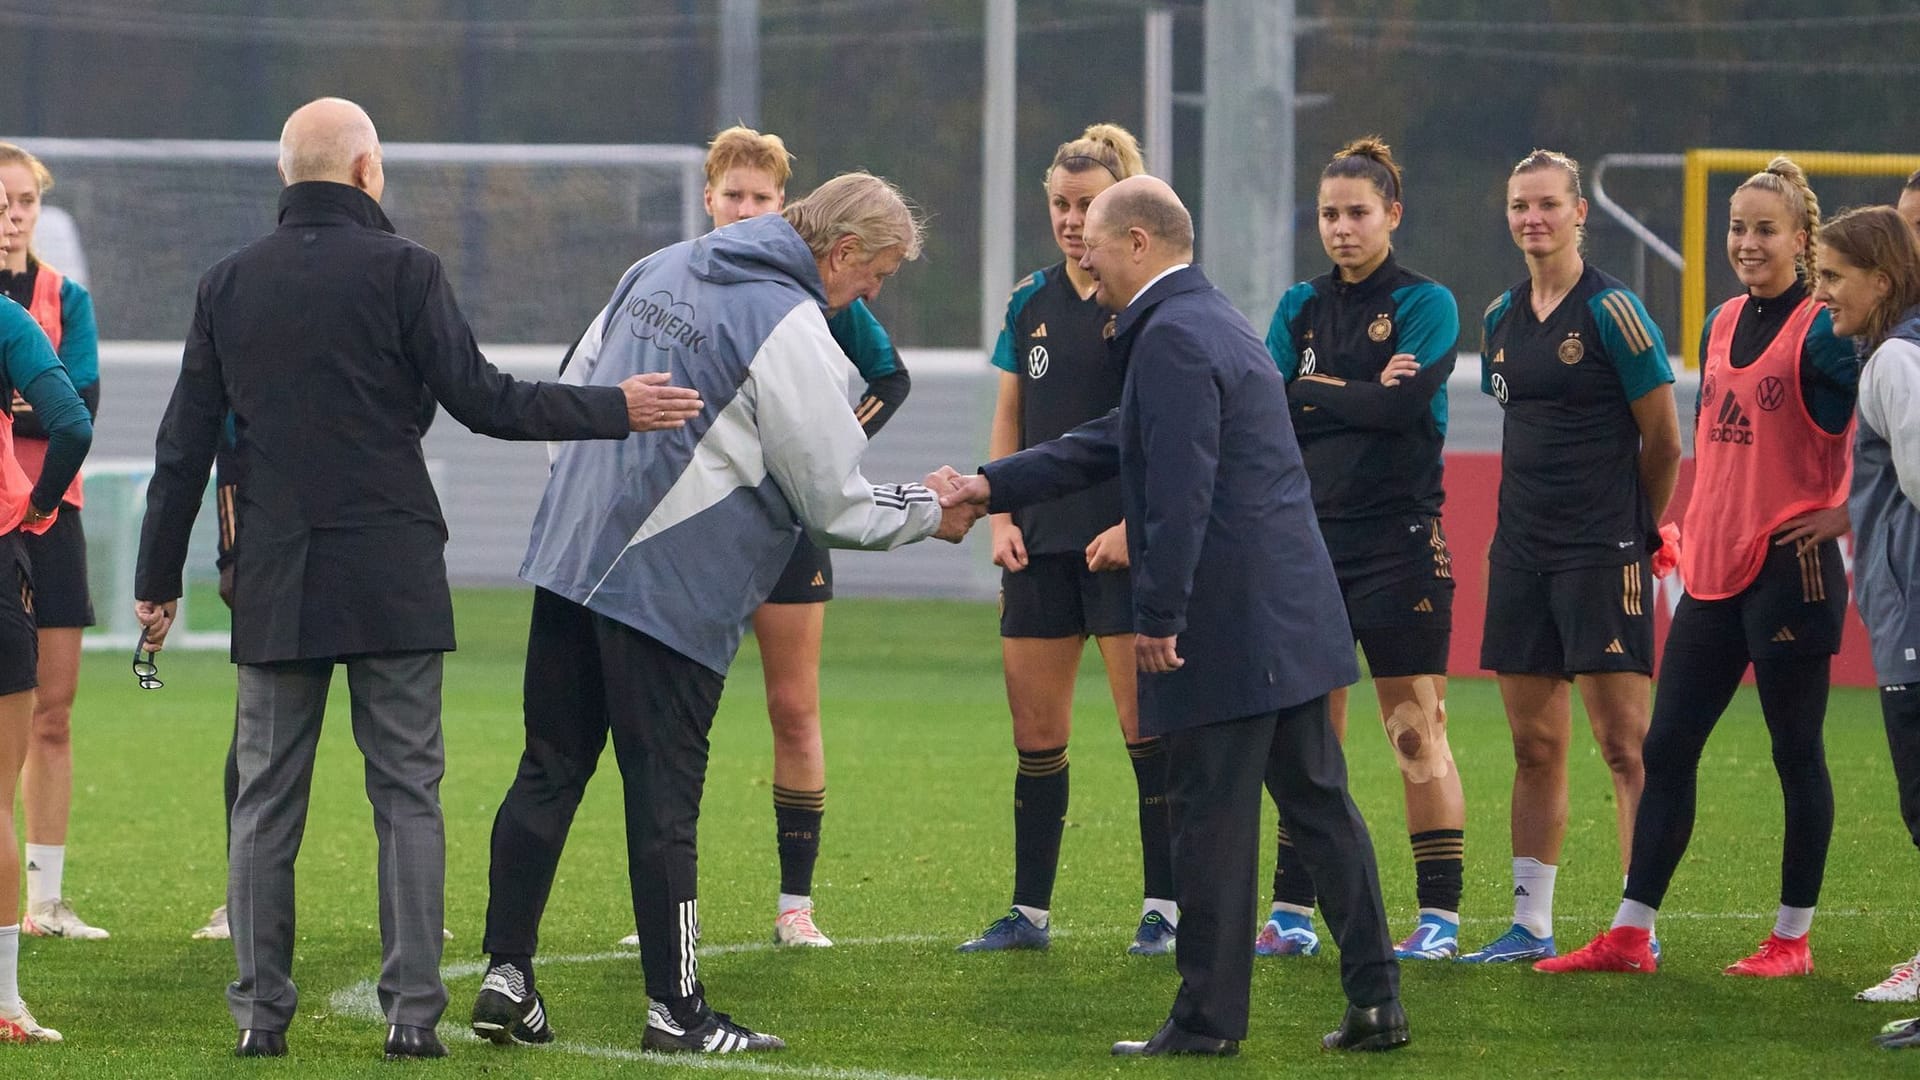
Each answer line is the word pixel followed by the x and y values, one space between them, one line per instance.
pixel 360 1001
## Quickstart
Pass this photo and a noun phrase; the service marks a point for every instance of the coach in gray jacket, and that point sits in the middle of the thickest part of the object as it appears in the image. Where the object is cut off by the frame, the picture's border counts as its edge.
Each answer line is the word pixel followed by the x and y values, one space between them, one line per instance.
pixel 648 556
pixel 1239 631
pixel 329 341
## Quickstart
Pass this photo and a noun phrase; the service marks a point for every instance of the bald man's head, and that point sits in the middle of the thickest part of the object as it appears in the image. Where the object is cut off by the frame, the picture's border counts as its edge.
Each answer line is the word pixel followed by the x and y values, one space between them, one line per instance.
pixel 1134 230
pixel 332 139
pixel 1148 203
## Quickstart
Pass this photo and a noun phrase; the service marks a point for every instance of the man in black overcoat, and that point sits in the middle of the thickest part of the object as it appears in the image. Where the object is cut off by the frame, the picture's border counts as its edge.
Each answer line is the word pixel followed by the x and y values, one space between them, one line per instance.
pixel 329 340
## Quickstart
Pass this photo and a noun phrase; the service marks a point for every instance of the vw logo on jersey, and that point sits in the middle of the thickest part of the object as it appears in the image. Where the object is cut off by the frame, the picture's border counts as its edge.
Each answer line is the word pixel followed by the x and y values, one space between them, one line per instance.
pixel 1499 388
pixel 1773 393
pixel 1308 362
pixel 1036 361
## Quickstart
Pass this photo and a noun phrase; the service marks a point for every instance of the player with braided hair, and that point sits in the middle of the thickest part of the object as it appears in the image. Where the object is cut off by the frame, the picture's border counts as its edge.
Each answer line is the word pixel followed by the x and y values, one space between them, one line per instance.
pixel 1765 586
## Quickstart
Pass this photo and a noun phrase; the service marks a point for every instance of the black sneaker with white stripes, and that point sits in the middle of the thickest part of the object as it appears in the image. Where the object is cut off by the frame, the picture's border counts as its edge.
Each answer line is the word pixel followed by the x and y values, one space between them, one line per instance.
pixel 508 1010
pixel 713 1033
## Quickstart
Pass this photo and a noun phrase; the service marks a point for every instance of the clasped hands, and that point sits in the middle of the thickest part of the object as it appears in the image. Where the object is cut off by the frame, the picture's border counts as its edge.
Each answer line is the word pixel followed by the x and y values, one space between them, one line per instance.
pixel 963 501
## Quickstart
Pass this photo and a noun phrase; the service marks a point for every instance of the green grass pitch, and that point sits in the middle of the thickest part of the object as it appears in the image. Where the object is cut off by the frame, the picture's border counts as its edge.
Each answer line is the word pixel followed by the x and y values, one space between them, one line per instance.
pixel 917 856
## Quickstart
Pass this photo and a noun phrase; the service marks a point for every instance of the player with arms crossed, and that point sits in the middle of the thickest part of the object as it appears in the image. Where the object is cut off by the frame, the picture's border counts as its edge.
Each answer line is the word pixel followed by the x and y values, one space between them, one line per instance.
pixel 1366 349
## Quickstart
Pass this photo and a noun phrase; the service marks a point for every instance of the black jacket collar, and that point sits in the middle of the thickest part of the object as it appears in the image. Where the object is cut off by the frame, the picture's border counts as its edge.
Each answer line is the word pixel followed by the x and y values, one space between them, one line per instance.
pixel 323 202
pixel 1187 279
pixel 1368 285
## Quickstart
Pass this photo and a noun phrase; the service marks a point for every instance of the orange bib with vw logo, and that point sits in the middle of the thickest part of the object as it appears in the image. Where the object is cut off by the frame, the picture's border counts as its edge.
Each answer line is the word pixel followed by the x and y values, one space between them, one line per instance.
pixel 1759 459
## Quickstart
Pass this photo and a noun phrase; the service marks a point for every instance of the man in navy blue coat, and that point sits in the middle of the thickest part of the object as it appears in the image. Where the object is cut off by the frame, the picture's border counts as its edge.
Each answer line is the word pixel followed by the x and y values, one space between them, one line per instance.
pixel 1239 628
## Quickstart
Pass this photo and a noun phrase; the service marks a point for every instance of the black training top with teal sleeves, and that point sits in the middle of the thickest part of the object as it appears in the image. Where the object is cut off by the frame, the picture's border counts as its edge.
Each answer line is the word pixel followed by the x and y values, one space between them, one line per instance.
pixel 866 343
pixel 1570 493
pixel 1371 450
pixel 1056 342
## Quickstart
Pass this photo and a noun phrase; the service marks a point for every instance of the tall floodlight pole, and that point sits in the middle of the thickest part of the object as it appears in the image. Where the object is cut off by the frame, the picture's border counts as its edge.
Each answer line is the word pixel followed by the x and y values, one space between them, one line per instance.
pixel 737 98
pixel 1157 89
pixel 996 169
pixel 1246 197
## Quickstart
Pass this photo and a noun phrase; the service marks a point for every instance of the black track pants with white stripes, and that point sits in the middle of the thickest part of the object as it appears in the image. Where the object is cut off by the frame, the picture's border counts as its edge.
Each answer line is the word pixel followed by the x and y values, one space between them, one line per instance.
pixel 588 676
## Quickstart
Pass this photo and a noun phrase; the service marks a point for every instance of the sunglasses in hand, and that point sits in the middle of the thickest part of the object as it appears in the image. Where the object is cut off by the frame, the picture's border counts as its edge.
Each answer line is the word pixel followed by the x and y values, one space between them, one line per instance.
pixel 144 667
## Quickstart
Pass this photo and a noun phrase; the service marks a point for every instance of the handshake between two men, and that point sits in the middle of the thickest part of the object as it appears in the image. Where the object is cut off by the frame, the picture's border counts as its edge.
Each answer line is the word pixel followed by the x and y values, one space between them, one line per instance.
pixel 654 404
pixel 963 501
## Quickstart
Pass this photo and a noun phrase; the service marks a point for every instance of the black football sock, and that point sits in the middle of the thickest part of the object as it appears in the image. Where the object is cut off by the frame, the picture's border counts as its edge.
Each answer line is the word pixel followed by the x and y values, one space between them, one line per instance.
pixel 796 818
pixel 1039 817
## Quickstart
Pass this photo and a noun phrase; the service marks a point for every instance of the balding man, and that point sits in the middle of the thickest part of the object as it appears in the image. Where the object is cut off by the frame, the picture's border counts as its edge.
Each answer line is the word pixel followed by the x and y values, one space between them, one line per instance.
pixel 329 342
pixel 1239 630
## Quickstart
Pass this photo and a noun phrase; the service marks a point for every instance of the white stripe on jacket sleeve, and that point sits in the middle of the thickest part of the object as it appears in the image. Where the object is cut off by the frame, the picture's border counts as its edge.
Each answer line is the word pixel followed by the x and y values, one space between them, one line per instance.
pixel 812 443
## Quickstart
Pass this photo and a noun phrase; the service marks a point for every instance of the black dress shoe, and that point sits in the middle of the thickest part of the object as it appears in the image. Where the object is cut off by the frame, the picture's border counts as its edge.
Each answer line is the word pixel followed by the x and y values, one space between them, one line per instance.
pixel 405 1041
pixel 1378 1027
pixel 1173 1040
pixel 259 1042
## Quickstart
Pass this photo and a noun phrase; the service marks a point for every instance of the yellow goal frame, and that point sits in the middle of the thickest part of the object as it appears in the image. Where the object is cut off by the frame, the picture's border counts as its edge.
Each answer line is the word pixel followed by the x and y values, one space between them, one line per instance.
pixel 1700 164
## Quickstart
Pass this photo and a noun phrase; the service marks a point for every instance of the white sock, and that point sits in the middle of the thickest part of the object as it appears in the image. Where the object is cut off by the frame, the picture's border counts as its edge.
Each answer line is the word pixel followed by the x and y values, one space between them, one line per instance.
pixel 1793 922
pixel 46 863
pixel 1533 895
pixel 1636 914
pixel 1035 915
pixel 1295 909
pixel 788 902
pixel 10 968
pixel 1168 910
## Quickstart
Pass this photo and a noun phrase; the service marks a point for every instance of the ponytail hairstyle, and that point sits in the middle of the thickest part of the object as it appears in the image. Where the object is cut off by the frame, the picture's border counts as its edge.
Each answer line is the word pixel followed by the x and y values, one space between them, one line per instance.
pixel 1878 240
pixel 1553 159
pixel 1371 159
pixel 1102 146
pixel 1784 178
pixel 741 147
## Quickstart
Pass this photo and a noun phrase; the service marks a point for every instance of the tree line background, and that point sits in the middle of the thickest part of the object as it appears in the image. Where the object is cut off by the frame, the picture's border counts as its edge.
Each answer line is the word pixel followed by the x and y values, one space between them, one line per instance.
pixel 1461 88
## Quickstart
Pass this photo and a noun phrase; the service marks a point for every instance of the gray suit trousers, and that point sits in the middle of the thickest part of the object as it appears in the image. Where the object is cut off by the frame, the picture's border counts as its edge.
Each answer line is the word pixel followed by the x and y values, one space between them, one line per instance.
pixel 396 723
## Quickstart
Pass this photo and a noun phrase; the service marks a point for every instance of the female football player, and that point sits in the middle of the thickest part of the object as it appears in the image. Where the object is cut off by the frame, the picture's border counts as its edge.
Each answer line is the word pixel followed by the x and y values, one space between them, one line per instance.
pixel 1760 556
pixel 62 605
pixel 1366 349
pixel 1590 450
pixel 1064 563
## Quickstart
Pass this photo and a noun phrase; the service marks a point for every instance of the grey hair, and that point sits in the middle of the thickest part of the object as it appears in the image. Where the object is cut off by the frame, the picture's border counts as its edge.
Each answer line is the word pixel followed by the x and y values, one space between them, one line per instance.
pixel 862 206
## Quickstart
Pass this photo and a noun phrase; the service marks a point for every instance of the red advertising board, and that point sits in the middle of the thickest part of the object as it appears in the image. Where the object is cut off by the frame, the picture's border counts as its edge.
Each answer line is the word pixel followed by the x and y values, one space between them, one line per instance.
pixel 1473 486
